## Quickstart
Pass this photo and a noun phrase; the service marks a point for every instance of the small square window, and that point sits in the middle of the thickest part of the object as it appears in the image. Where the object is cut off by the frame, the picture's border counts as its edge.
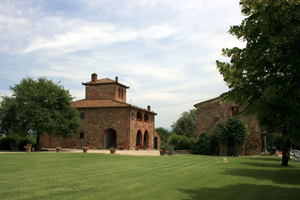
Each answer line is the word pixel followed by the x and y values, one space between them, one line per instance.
pixel 82 115
pixel 81 135
pixel 216 119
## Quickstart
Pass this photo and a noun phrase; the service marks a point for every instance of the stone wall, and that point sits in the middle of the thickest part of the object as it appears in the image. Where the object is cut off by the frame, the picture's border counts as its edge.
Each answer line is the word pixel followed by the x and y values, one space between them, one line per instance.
pixel 98 120
pixel 142 126
pixel 105 91
pixel 210 112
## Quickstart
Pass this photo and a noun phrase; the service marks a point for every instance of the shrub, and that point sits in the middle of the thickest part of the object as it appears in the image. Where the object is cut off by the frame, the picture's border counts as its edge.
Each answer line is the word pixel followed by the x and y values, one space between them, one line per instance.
pixel 5 143
pixel 169 149
pixel 181 142
pixel 162 145
pixel 202 145
pixel 23 143
pixel 206 144
pixel 233 128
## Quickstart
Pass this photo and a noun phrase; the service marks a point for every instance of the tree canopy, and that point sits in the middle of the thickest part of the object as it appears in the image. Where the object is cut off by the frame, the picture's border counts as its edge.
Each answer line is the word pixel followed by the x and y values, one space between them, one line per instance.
pixel 263 77
pixel 163 133
pixel 186 124
pixel 39 106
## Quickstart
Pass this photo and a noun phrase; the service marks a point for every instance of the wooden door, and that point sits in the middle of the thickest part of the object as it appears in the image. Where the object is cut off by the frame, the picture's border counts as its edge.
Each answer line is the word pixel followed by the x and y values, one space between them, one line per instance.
pixel 48 140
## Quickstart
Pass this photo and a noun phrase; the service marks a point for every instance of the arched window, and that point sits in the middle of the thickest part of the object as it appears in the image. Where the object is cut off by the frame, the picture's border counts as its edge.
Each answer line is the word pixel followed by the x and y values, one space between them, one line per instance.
pixel 146 117
pixel 139 116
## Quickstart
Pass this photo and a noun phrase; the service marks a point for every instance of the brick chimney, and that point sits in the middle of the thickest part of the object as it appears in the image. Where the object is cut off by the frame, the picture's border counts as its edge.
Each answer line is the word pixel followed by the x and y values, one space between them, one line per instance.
pixel 117 79
pixel 149 108
pixel 94 77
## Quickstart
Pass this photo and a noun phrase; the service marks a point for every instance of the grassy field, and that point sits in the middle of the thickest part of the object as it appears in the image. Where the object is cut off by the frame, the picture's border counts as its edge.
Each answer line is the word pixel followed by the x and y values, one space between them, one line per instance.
pixel 101 176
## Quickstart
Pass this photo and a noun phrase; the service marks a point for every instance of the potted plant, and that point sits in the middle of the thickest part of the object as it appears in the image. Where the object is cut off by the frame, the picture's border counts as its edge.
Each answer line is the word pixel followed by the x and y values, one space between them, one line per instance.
pixel 121 147
pixel 85 149
pixel 12 146
pixel 137 148
pixel 145 147
pixel 28 147
pixel 112 150
pixel 58 149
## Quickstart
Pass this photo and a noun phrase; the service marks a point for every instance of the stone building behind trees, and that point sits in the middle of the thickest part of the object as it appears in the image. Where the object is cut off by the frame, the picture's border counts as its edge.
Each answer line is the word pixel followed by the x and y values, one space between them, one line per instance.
pixel 108 121
pixel 210 112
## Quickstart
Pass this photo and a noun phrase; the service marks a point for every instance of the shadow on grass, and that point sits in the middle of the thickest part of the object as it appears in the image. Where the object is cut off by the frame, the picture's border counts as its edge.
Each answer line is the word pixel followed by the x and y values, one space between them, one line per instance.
pixel 244 191
pixel 278 175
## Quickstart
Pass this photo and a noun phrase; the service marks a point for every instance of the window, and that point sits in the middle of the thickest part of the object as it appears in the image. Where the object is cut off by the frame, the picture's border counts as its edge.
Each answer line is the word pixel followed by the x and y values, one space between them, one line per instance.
pixel 81 135
pixel 132 115
pixel 146 117
pixel 216 119
pixel 110 113
pixel 82 115
pixel 139 116
pixel 235 110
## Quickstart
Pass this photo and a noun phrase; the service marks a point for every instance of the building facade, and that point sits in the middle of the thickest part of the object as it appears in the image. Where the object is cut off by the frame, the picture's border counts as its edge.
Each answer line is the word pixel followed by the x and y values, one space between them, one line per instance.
pixel 108 121
pixel 210 112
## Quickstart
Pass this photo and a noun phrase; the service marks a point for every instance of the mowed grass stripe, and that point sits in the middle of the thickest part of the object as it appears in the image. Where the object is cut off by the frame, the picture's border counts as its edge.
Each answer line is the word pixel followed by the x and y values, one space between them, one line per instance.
pixel 100 176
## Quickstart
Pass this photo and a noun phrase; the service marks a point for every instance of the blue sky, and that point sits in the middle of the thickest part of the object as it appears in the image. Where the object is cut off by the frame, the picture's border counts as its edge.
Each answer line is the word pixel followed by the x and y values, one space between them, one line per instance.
pixel 165 50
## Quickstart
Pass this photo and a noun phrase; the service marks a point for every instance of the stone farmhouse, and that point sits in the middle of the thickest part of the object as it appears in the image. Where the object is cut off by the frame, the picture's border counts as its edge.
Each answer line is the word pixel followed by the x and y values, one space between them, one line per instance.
pixel 108 120
pixel 210 112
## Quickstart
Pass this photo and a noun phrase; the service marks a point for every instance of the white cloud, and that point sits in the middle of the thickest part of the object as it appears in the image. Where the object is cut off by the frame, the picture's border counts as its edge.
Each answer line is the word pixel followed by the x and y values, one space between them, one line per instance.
pixel 164 50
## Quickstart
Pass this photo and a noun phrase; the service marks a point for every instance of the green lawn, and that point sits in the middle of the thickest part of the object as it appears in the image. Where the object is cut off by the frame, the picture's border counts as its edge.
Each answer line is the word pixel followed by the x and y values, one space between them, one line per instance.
pixel 101 176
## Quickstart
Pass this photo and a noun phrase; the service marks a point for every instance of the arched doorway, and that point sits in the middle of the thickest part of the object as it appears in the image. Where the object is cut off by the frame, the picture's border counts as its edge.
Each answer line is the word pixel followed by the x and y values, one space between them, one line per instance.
pixel 230 147
pixel 146 139
pixel 139 138
pixel 110 138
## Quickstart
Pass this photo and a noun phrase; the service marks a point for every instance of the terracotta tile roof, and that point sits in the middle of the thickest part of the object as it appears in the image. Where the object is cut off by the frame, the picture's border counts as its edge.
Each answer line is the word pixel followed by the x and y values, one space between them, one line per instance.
pixel 103 81
pixel 105 104
pixel 207 101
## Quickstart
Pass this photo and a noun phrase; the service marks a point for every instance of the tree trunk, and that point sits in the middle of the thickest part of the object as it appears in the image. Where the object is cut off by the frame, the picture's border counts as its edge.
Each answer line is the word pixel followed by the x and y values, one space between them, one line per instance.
pixel 286 149
pixel 286 153
pixel 37 142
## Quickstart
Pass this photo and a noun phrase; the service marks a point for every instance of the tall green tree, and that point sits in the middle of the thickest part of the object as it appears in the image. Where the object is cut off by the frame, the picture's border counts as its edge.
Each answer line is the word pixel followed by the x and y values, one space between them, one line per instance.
pixel 264 76
pixel 39 106
pixel 186 124
pixel 163 133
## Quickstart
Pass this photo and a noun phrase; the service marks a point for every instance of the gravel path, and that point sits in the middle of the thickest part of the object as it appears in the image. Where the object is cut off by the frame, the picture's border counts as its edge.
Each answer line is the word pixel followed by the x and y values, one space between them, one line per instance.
pixel 105 151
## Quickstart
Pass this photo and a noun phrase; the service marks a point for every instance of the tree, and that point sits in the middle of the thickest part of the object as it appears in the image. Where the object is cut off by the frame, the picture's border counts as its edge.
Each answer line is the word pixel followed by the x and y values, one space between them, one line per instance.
pixel 186 124
pixel 163 133
pixel 263 77
pixel 39 106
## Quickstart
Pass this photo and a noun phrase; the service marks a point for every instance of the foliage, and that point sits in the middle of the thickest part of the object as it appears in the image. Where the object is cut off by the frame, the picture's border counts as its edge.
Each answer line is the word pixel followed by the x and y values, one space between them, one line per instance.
pixel 187 124
pixel 170 149
pixel 234 128
pixel 181 142
pixel 263 76
pixel 163 145
pixel 163 133
pixel 39 106
pixel 24 142
pixel 5 143
pixel 206 144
